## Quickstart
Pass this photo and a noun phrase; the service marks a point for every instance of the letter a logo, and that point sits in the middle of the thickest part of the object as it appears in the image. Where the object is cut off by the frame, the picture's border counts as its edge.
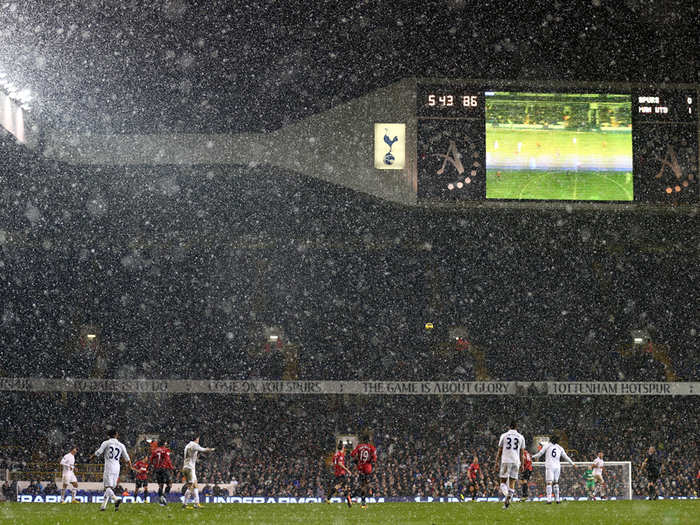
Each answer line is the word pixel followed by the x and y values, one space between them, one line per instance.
pixel 670 161
pixel 453 156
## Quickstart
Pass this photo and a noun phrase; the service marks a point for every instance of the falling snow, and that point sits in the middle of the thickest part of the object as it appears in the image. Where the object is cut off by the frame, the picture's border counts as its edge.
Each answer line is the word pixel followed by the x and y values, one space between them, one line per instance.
pixel 194 200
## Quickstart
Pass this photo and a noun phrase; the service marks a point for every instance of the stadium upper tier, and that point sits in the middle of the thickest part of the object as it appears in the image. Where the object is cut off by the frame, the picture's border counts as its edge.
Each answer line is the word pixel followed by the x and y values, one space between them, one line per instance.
pixel 432 141
pixel 181 274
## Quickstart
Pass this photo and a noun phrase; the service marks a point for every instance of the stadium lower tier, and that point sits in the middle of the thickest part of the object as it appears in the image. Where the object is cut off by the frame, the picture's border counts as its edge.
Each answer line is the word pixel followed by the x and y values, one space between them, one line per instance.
pixel 280 445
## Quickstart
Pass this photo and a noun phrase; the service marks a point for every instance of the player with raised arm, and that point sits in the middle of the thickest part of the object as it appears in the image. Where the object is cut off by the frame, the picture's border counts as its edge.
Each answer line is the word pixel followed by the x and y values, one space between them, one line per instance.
pixel 553 454
pixel 114 451
pixel 141 468
pixel 509 458
pixel 68 475
pixel 600 487
pixel 366 456
pixel 340 476
pixel 653 470
pixel 526 475
pixel 162 469
pixel 192 450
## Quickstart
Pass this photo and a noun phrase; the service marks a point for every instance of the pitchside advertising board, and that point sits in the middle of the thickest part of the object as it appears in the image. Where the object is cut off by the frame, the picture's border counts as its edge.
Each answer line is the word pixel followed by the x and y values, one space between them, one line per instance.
pixel 527 142
pixel 96 497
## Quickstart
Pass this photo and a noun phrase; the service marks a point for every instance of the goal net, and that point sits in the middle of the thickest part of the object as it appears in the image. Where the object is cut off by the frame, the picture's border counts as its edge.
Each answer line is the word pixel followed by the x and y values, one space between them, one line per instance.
pixel 572 481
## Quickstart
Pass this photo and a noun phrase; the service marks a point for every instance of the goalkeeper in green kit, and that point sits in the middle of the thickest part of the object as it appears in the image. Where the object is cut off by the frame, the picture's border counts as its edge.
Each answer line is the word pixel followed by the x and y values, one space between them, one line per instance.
pixel 590 482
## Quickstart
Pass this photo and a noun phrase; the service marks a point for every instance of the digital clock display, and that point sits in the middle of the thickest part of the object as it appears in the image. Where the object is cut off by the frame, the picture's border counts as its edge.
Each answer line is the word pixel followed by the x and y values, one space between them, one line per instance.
pixel 468 101
pixel 436 101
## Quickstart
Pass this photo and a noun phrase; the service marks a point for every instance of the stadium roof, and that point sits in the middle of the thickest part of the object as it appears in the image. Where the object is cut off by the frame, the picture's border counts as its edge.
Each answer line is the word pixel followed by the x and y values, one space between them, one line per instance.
pixel 185 66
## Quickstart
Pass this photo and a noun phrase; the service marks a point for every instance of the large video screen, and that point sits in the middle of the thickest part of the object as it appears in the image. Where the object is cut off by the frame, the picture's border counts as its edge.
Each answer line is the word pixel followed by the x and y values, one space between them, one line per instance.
pixel 557 146
pixel 560 144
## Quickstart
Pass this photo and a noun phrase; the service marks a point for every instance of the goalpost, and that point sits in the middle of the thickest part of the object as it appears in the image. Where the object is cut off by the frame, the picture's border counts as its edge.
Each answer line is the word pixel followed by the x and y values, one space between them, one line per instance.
pixel 572 485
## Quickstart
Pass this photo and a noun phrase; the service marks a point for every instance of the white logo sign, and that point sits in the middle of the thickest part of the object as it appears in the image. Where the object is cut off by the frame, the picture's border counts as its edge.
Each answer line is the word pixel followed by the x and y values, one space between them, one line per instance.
pixel 389 146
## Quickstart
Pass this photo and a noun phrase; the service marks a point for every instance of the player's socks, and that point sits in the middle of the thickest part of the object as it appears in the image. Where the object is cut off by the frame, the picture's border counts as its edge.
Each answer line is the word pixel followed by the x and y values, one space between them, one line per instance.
pixel 556 492
pixel 73 492
pixel 63 495
pixel 525 490
pixel 196 496
pixel 504 489
pixel 188 495
pixel 549 493
pixel 107 497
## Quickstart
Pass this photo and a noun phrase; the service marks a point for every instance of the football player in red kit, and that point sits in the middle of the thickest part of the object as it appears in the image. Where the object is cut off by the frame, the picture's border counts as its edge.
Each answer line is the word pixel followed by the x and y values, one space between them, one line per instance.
pixel 527 473
pixel 340 477
pixel 141 468
pixel 162 467
pixel 366 456
pixel 476 478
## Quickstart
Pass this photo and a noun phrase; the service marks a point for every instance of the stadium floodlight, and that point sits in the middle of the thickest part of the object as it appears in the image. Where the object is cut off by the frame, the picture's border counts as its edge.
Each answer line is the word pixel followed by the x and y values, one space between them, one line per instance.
pixel 640 337
pixel 21 96
pixel 273 334
pixel 90 335
pixel 458 332
pixel 24 95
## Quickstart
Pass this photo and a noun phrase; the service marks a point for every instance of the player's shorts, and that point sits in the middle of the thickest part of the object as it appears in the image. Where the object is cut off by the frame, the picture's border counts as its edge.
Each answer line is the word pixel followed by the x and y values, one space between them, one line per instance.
pixel 509 470
pixel 366 477
pixel 331 479
pixel 590 485
pixel 141 483
pixel 652 476
pixel 598 478
pixel 552 474
pixel 525 476
pixel 163 476
pixel 109 478
pixel 69 478
pixel 190 475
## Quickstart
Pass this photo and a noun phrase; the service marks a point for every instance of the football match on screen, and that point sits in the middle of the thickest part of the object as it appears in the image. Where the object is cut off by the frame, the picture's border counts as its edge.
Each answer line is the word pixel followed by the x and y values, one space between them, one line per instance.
pixel 349 262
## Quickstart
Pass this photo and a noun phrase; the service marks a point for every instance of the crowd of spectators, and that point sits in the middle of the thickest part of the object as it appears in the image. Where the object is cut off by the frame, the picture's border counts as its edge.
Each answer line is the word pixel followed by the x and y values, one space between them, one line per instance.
pixel 280 445
pixel 181 274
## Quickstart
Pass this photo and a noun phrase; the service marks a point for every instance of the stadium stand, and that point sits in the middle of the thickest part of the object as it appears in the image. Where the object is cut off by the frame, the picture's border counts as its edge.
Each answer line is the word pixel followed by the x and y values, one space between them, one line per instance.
pixel 182 268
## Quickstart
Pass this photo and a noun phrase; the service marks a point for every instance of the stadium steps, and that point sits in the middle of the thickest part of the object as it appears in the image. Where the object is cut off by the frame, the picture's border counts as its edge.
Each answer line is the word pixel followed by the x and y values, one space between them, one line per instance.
pixel 479 359
pixel 660 353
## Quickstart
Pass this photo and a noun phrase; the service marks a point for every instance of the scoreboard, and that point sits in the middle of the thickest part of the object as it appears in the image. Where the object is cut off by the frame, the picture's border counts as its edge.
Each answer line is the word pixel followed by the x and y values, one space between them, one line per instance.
pixel 528 142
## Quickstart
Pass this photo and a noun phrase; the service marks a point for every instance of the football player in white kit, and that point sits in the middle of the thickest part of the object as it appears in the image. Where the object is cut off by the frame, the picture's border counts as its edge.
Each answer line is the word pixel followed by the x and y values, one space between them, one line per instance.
pixel 114 451
pixel 510 455
pixel 192 450
pixel 552 466
pixel 598 465
pixel 68 475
